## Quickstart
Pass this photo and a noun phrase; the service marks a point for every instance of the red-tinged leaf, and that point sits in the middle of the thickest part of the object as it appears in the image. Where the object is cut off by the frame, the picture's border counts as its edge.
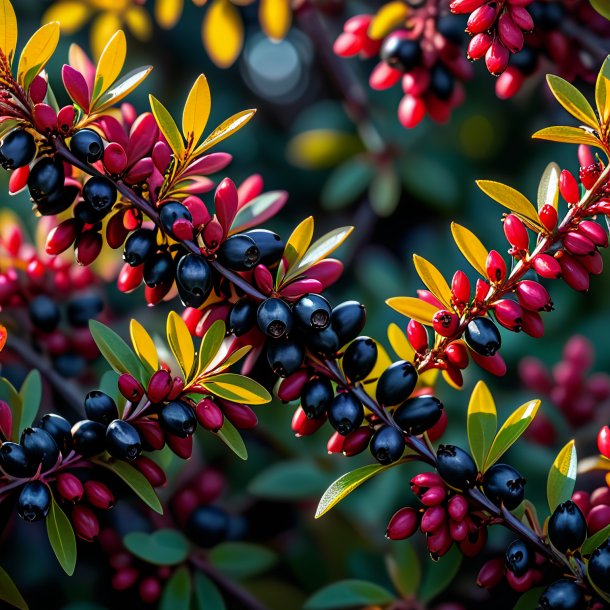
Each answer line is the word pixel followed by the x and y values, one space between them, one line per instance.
pixel 225 202
pixel 142 137
pixel 250 188
pixel 45 117
pixel 18 180
pixel 428 297
pixel 297 289
pixel 6 420
pixel 209 164
pixel 263 279
pixel 196 185
pixel 492 364
pixel 259 210
pixel 79 60
pixel 76 86
pixel 113 131
pixel 140 171
pixel 115 159
pixel 327 271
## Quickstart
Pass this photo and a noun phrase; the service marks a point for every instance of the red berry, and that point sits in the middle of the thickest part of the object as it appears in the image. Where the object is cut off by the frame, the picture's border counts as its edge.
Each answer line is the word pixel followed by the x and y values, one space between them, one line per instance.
pixel 603 441
pixel 432 519
pixel 481 290
pixel 130 388
pixel 150 590
pixel 303 425
pixel 457 354
pixel 99 495
pixel 548 217
pixel 69 487
pixel 516 233
pixel 532 324
pixel 61 237
pixel 598 518
pixel 159 386
pixel 510 33
pixel 86 525
pixel 578 244
pixel 547 267
pixel 290 387
pixel 534 296
pixel 356 441
pixel 411 111
pixel 457 507
pixel 460 288
pixel 589 175
pixel 595 232
pixel 479 45
pixel 496 267
pixel 209 414
pixel 574 274
pixel 492 573
pixel 482 18
pixel 418 336
pixel 568 187
pixel 445 323
pixel 496 58
pixel 151 470
pixel 403 524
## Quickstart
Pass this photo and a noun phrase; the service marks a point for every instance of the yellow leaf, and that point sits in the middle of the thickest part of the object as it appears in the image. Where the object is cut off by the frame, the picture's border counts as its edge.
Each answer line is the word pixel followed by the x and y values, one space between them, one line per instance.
pixel 322 148
pixel 482 422
pixel 102 29
pixel 167 12
pixel 110 64
pixel 388 18
pixel 225 129
pixel 37 52
pixel 399 342
pixel 602 88
pixel 568 135
pixel 139 22
pixel 572 100
pixel 167 126
pixel 122 88
pixel 209 346
pixel 413 308
pixel 222 33
pixel 181 343
pixel 143 345
pixel 427 379
pixel 237 388
pixel 509 198
pixel 471 247
pixel 548 189
pixel 433 280
pixel 196 111
pixel 71 14
pixel 295 248
pixel 275 17
pixel 236 356
pixel 381 364
pixel 8 30
pixel 562 476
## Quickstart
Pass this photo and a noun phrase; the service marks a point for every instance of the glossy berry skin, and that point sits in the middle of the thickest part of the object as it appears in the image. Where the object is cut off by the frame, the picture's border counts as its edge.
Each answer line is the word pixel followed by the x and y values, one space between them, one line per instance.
pixel 207 526
pixel 194 280
pixel 400 53
pixel 83 309
pixel 359 358
pixel 59 428
pixel 316 397
pixel 274 318
pixel 34 501
pixel 563 594
pixel 99 193
pixel 269 244
pixel 122 440
pixel 503 484
pixel 171 212
pixel 598 568
pixel 396 383
pixel 312 312
pixel 324 341
pixel 100 407
pixel 87 145
pixel 178 419
pixel 347 320
pixel 418 414
pixel 159 269
pixel 15 461
pixel 242 317
pixel 44 313
pixel 40 447
pixel 567 527
pixel 58 201
pixel 87 214
pixel 46 178
pixel 387 445
pixel 518 558
pixel 345 413
pixel 285 356
pixel 17 149
pixel 483 337
pixel 456 467
pixel 239 253
pixel 139 246
pixel 89 437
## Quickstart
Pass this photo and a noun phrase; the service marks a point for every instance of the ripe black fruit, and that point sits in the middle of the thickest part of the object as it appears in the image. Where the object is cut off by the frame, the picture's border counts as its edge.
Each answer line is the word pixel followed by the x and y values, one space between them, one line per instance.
pixel 239 253
pixel 34 501
pixel 207 526
pixel 285 356
pixel 518 558
pixel 159 269
pixel 563 594
pixel 100 407
pixel 99 193
pixel 312 312
pixel 396 383
pixel 503 484
pixel 387 445
pixel 46 178
pixel 44 313
pixel 87 214
pixel 348 320
pixel 269 244
pixel 139 246
pixel 178 419
pixel 345 413
pixel 567 527
pixel 482 336
pixel 274 318
pixel 598 568
pixel 59 428
pixel 171 212
pixel 456 467
pixel 69 364
pixel 441 82
pixel 87 145
pixel 324 341
pixel 316 397
pixel 40 447
pixel 242 317
pixel 15 461
pixel 89 437
pixel 17 149
pixel 194 280
pixel 82 309
pixel 400 53
pixel 122 440
pixel 58 202
pixel 418 414
pixel 359 358
pixel 451 27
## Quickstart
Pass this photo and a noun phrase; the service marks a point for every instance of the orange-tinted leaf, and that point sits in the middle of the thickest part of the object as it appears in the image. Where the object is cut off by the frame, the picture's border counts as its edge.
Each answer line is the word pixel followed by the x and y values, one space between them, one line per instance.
pixel 196 111
pixel 167 12
pixel 413 308
pixel 143 345
pixel 433 280
pixel 222 33
pixel 398 340
pixel 37 52
pixel 471 247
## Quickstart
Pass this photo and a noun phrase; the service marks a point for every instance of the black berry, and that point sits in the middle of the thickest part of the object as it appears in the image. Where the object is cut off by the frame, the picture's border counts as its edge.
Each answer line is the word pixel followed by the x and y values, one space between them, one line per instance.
pixel 239 253
pixel 82 309
pixel 316 397
pixel 482 336
pixel 34 501
pixel 40 447
pixel 178 419
pixel 87 214
pixel 567 527
pixel 44 313
pixel 46 178
pixel 242 316
pixel 274 318
pixel 400 53
pixel 563 594
pixel 269 244
pixel 312 311
pixel 207 526
pixel 58 202
pixel 418 414
pixel 15 461
pixel 99 193
pixel 17 149
pixel 345 413
pixel 194 280
pixel 324 341
pixel 171 212
pixel 69 364
pixel 441 81
pixel 87 145
pixel 518 558
pixel 598 568
pixel 159 269
pixel 348 320
pixel 140 245
pixel 100 407
pixel 122 440
pixel 59 428
pixel 285 356
pixel 502 484
pixel 396 383
pixel 359 358
pixel 456 467
pixel 387 445
pixel 89 437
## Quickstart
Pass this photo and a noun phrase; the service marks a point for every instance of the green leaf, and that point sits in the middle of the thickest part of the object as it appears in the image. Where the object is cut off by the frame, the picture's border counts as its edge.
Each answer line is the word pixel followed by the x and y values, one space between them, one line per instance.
pixel 167 125
pixel 404 568
pixel 10 396
pixel 258 210
pixel 439 575
pixel 562 476
pixel 595 541
pixel 572 100
pixel 348 593
pixel 236 388
pixel 134 479
pixel 529 600
pixel 568 135
pixel 295 248
pixel 116 352
pixel 177 591
pixel 510 198
pixel 207 595
pixel 164 547
pixel 511 430
pixel 602 7
pixel 384 192
pixel 482 423
pixel 231 437
pixel 62 538
pixel 210 344
pixel 345 484
pixel 9 591
pixel 123 87
pixel 31 395
pixel 241 559
pixel 289 480
pixel 548 188
pixel 225 129
pixel 346 183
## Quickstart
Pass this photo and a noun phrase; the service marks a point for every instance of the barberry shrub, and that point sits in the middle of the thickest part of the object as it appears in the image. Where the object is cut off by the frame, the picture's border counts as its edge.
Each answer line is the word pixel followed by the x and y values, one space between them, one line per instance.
pixel 107 178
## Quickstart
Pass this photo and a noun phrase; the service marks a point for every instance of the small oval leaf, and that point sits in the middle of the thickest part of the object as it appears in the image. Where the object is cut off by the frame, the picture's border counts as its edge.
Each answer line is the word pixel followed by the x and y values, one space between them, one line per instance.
pixel 572 100
pixel 562 476
pixel 471 247
pixel 62 538
pixel 509 198
pixel 348 594
pixel 413 308
pixel 144 346
pixel 482 423
pixel 433 280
